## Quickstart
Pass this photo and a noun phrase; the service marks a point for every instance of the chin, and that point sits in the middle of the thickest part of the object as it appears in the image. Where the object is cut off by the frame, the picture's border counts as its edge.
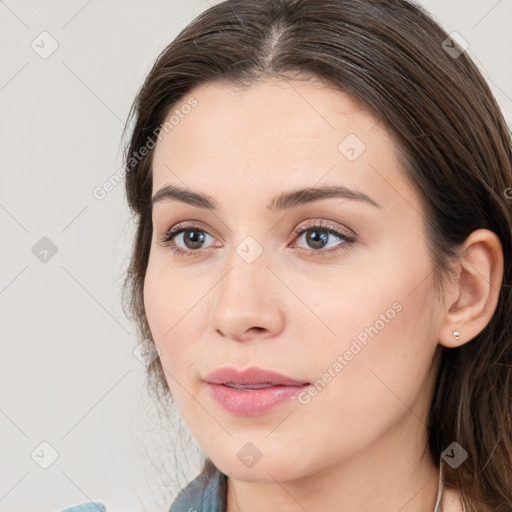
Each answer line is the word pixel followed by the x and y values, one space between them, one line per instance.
pixel 281 467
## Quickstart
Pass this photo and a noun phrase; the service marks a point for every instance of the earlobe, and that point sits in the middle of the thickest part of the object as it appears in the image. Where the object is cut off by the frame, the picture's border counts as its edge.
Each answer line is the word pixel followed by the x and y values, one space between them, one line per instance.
pixel 476 290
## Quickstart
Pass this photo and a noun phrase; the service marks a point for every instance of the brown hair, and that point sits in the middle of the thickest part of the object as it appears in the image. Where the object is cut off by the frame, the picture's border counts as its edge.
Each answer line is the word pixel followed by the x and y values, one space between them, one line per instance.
pixel 457 152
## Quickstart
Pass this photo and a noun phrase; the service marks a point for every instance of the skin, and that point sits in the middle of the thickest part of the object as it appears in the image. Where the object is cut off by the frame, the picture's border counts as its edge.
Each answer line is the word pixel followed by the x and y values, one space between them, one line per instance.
pixel 358 444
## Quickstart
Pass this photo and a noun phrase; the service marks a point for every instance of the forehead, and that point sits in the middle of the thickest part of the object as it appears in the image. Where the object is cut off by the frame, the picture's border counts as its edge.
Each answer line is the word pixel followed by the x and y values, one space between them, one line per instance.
pixel 264 113
pixel 259 140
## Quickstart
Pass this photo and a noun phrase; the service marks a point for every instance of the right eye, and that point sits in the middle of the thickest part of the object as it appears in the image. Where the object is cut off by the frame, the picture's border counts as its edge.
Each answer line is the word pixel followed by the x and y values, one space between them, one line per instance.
pixel 190 237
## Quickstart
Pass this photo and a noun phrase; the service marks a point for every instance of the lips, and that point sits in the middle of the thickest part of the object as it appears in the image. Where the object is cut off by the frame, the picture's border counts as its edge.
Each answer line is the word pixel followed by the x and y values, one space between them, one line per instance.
pixel 251 378
pixel 253 391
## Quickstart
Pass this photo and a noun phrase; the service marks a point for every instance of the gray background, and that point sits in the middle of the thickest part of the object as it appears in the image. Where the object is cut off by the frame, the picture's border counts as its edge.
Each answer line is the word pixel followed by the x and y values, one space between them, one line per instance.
pixel 68 374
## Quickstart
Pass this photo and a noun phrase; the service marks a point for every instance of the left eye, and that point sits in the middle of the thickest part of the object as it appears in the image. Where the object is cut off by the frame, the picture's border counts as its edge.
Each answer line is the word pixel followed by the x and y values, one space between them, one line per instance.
pixel 318 238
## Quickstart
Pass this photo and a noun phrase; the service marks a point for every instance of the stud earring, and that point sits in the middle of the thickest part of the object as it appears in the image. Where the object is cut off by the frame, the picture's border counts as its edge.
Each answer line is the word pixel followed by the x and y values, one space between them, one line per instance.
pixel 456 335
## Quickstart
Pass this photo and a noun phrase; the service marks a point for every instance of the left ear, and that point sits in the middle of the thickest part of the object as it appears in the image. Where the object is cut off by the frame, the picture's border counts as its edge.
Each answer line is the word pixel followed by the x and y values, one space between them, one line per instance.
pixel 473 296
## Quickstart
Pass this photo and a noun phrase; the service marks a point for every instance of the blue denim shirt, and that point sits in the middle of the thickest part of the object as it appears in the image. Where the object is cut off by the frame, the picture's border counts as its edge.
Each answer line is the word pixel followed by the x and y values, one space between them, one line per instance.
pixel 90 506
pixel 205 493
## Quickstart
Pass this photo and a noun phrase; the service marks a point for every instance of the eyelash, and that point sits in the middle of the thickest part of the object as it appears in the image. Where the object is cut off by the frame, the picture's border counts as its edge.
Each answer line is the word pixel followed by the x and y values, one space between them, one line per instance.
pixel 322 226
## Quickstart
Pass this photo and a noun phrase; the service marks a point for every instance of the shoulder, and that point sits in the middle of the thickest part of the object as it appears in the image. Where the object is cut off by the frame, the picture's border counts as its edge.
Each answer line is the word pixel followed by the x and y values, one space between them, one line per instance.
pixel 206 493
pixel 90 506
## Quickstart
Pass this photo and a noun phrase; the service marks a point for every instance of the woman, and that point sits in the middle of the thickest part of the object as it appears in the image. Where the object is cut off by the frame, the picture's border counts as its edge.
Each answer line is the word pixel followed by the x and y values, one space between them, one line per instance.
pixel 323 258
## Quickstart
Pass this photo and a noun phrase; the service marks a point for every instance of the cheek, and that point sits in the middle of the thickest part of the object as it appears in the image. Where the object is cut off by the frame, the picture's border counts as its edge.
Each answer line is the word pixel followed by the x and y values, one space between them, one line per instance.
pixel 385 321
pixel 377 291
pixel 173 308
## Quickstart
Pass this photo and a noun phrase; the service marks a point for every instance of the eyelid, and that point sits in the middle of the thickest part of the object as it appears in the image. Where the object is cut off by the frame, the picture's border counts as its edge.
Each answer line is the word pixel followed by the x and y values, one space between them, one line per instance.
pixel 327 225
pixel 189 224
pixel 298 230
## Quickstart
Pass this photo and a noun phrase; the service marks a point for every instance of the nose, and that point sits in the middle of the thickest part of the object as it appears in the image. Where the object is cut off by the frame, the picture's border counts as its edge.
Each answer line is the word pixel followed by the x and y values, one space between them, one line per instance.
pixel 247 302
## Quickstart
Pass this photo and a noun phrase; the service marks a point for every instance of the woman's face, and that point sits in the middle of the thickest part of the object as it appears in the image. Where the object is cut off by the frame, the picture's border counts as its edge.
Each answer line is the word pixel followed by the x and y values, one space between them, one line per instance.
pixel 330 287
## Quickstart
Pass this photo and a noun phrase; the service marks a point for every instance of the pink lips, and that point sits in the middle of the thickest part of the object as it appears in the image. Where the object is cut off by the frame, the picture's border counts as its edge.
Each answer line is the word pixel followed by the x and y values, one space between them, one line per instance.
pixel 252 391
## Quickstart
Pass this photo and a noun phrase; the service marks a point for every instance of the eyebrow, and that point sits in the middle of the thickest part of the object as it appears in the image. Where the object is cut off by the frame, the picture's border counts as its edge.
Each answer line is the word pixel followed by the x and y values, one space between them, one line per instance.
pixel 285 201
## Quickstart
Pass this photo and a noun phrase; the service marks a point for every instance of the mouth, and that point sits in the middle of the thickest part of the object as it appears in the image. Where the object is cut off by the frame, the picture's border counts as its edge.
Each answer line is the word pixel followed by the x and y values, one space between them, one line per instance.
pixel 253 391
pixel 234 385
